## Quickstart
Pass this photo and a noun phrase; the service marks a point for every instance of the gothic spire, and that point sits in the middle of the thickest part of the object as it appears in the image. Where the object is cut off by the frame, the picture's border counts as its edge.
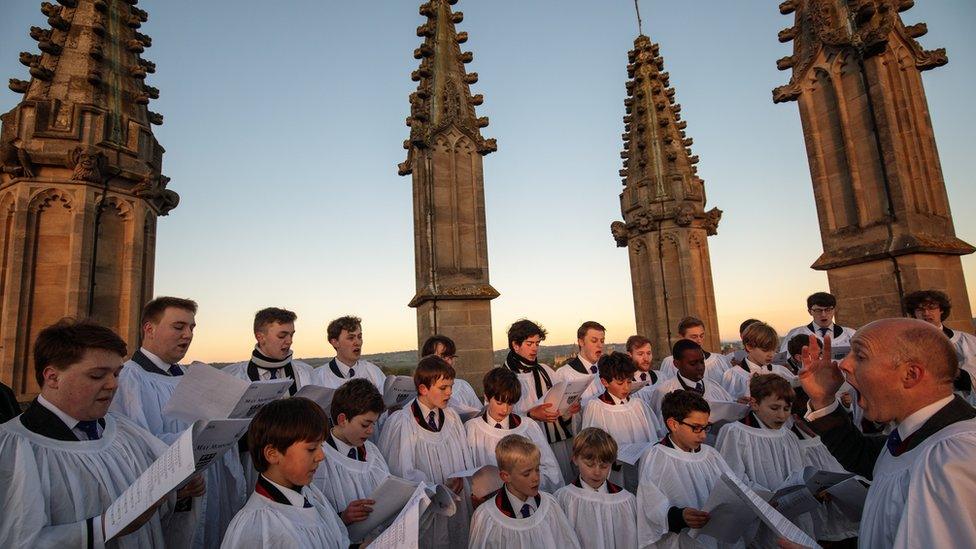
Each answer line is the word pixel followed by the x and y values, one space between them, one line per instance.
pixel 443 98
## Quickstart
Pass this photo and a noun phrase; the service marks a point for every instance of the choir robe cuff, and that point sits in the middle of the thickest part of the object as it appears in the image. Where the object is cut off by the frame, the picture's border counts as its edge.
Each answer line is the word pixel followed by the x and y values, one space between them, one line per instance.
pixel 813 415
pixel 676 520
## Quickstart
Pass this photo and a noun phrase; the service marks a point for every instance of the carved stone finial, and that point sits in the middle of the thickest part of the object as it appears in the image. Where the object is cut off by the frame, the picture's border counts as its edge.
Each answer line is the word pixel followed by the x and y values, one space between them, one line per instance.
pixel 88 164
pixel 712 218
pixel 685 214
pixel 619 231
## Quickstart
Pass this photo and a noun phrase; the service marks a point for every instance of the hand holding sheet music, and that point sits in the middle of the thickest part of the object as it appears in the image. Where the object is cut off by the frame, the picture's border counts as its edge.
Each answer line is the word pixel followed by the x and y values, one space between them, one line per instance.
pixel 564 394
pixel 207 393
pixel 196 448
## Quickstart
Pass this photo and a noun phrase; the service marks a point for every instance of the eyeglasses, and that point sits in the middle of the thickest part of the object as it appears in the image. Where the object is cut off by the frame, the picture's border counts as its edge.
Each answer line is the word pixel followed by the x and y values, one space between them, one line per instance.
pixel 818 310
pixel 928 307
pixel 697 428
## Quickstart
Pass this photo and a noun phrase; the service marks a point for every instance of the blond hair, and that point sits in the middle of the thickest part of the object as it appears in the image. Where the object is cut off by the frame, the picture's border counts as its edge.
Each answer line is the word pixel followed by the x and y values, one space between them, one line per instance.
pixel 594 443
pixel 514 449
pixel 761 336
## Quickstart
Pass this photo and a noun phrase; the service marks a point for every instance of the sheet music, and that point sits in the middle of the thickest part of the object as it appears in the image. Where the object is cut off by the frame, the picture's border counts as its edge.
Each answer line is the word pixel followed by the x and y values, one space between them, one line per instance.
pixel 398 390
pixel 729 519
pixel 724 411
pixel 390 496
pixel 319 395
pixel 564 394
pixel 205 392
pixel 484 480
pixel 196 448
pixel 404 532
pixel 631 453
pixel 771 517
pixel 849 497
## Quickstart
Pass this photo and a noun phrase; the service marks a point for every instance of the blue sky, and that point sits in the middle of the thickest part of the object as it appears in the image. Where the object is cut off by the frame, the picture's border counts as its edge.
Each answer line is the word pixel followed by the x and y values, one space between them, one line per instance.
pixel 284 124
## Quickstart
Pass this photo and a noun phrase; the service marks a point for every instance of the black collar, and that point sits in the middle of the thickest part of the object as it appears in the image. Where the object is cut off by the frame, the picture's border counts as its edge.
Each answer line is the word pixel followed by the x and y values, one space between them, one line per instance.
pixel 505 505
pixel 254 375
pixel 611 487
pixel 948 332
pixel 513 420
pixel 955 411
pixel 607 398
pixel 360 452
pixel 271 491
pixel 44 422
pixel 148 365
pixel 577 365
pixel 681 382
pixel 334 366
pixel 815 330
pixel 418 416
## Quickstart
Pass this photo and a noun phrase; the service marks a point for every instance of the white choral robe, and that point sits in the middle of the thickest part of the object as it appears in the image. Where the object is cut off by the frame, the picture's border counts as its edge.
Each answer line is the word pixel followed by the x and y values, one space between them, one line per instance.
pixel 843 339
pixel 566 372
pixel 736 379
pixel 547 528
pixel 600 519
pixel 343 479
pixel 670 477
pixel 141 397
pixel 483 437
pixel 628 423
pixel 965 345
pixel 562 449
pixel 713 392
pixel 463 394
pixel 924 497
pixel 267 524
pixel 324 376
pixel 50 488
pixel 716 364
pixel 303 376
pixel 764 459
pixel 417 454
pixel 829 523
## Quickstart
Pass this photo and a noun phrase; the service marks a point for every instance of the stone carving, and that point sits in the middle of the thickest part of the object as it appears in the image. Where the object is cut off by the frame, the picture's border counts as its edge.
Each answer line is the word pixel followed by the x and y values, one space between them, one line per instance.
pixel 14 159
pixel 619 231
pixel 712 218
pixel 88 164
pixel 685 214
pixel 44 43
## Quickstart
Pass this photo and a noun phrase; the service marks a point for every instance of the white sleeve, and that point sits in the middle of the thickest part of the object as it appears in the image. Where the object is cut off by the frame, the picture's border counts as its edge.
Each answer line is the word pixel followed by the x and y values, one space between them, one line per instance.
pixel 813 415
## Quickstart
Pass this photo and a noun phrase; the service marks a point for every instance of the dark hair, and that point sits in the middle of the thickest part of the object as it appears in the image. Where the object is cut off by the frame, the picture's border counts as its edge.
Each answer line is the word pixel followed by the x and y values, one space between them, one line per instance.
pixel 523 329
pixel 64 343
pixel 689 322
pixel 266 317
pixel 430 369
pixel 746 323
pixel 796 344
pixel 154 310
pixel 587 326
pixel 680 404
pixel 771 385
pixel 822 299
pixel 922 297
pixel 636 342
pixel 284 422
pixel 616 365
pixel 596 444
pixel 682 345
pixel 347 323
pixel 354 398
pixel 431 345
pixel 503 385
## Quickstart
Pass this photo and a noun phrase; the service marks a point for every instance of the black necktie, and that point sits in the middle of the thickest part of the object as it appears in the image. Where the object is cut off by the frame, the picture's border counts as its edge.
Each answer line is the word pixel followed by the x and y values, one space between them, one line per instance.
pixel 274 373
pixel 498 426
pixel 431 420
pixel 90 428
pixel 823 332
pixel 594 369
pixel 352 373
pixel 352 453
pixel 526 510
pixel 643 376
pixel 307 504
pixel 894 443
pixel 175 370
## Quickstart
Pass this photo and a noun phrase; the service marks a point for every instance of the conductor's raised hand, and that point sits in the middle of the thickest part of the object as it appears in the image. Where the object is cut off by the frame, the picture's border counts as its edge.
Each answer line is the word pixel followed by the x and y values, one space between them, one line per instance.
pixel 821 378
pixel 544 412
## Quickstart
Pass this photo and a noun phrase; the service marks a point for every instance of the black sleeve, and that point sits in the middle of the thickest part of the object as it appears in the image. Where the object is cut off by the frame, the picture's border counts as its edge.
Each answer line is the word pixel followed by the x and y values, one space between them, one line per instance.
pixel 9 408
pixel 854 450
pixel 676 519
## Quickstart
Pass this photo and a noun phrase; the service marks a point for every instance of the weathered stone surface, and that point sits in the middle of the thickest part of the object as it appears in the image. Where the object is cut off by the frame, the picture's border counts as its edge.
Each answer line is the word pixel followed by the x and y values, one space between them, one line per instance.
pixel 665 226
pixel 80 183
pixel 444 156
pixel 884 214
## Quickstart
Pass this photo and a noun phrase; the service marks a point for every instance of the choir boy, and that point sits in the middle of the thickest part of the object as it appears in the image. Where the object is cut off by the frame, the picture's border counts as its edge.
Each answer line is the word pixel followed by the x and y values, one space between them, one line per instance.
pixel 822 307
pixel 689 360
pixel 760 341
pixel 518 515
pixel 145 386
pixel 602 513
pixel 739 356
pixel 64 460
pixel 716 364
pixel 346 337
pixel 353 465
pixel 628 420
pixel 502 391
pixel 524 337
pixel 934 307
pixel 286 509
pixel 271 358
pixel 677 475
pixel 425 441
pixel 760 451
pixel 639 349
pixel 463 397
pixel 589 340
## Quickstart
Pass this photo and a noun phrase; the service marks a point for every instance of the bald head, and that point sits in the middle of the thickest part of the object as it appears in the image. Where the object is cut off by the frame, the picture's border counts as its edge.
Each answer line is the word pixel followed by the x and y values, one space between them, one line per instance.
pixel 907 340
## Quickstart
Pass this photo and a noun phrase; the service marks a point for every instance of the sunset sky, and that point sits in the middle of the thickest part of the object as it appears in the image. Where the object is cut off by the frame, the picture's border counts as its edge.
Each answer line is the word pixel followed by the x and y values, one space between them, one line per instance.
pixel 283 130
